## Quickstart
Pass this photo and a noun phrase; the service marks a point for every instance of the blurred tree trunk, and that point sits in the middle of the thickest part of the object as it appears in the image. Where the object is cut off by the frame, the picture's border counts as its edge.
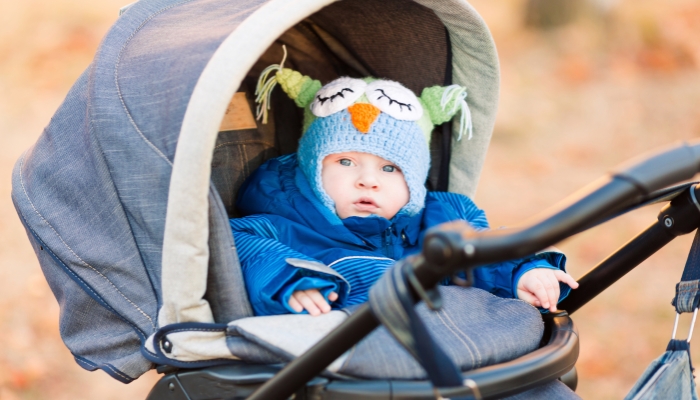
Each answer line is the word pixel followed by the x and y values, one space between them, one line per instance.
pixel 545 14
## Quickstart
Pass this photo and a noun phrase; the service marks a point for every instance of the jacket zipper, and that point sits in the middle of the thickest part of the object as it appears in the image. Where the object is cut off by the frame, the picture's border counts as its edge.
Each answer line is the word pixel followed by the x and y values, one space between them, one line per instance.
pixel 388 243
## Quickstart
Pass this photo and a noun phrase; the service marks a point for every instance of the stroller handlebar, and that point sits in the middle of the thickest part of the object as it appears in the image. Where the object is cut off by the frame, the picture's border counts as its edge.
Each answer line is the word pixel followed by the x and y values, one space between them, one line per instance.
pixel 456 246
pixel 663 167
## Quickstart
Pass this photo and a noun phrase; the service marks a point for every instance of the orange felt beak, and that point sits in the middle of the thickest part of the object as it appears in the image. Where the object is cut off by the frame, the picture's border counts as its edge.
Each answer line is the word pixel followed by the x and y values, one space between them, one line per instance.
pixel 363 116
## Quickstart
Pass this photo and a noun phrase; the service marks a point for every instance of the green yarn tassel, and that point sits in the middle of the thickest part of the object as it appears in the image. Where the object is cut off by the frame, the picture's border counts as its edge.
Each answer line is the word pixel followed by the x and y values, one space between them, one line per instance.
pixel 442 103
pixel 300 88
pixel 263 90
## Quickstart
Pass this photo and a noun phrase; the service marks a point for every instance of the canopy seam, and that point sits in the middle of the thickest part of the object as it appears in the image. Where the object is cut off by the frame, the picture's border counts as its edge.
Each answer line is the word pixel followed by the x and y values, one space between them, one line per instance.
pixel 116 80
pixel 21 180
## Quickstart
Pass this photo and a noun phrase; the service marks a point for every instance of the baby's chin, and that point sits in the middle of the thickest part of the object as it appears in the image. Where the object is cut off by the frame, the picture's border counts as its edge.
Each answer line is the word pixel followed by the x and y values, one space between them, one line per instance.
pixel 360 214
pixel 355 213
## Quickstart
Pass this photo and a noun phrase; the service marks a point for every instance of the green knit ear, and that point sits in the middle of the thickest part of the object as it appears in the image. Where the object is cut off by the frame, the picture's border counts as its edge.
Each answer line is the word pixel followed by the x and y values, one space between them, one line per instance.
pixel 425 123
pixel 443 102
pixel 300 88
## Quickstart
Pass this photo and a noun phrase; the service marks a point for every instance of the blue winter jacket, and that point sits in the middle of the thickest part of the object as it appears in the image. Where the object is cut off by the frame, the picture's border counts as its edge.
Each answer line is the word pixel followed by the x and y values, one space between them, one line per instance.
pixel 288 241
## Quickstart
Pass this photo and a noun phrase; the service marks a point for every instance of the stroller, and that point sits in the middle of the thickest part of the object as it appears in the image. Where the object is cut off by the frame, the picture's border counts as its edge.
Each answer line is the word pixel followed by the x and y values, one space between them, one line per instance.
pixel 126 196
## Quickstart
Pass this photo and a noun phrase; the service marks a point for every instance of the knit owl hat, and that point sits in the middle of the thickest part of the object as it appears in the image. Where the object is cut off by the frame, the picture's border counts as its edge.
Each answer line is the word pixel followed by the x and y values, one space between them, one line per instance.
pixel 368 115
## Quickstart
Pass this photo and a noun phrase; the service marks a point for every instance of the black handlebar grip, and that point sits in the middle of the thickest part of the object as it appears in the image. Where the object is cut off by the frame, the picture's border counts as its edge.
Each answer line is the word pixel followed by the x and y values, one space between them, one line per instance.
pixel 662 168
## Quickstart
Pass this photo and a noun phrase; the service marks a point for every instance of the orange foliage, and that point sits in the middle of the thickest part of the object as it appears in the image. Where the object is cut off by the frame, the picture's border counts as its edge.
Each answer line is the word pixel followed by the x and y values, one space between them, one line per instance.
pixel 576 100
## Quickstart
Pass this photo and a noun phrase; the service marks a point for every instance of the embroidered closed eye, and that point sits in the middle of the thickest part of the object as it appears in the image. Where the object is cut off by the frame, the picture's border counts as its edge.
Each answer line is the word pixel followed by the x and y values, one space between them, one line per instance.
pixel 325 99
pixel 392 101
pixel 337 96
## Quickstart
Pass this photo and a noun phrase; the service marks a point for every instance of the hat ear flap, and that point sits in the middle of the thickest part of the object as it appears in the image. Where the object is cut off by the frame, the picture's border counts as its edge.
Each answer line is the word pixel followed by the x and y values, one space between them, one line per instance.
pixel 443 102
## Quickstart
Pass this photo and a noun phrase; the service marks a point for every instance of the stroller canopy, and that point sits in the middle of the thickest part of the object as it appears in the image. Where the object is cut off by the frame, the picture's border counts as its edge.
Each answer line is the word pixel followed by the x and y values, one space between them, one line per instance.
pixel 117 194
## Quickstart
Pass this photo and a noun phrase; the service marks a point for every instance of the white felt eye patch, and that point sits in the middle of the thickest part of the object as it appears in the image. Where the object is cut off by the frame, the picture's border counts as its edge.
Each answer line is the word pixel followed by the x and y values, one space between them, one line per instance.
pixel 337 96
pixel 394 99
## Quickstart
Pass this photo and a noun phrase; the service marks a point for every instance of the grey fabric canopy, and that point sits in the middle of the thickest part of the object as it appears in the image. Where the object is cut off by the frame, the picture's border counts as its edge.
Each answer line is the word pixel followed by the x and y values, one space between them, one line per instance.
pixel 117 195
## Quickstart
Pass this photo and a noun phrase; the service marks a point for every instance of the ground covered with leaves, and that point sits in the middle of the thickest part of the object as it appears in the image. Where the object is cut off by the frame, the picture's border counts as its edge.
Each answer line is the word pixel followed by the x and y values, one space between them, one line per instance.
pixel 582 90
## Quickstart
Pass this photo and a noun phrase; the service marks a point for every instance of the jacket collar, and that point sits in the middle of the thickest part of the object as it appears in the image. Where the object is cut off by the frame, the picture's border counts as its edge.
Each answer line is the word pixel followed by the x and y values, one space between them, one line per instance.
pixel 366 229
pixel 280 187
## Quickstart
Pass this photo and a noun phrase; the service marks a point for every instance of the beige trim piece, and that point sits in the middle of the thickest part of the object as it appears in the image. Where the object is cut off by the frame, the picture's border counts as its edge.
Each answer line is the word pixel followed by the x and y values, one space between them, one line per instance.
pixel 193 345
pixel 301 332
pixel 185 243
pixel 126 7
pixel 238 115
pixel 474 66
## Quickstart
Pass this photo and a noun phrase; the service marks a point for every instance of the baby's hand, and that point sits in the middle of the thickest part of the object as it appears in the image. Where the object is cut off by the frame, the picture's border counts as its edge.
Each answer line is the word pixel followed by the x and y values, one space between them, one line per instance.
pixel 312 301
pixel 540 287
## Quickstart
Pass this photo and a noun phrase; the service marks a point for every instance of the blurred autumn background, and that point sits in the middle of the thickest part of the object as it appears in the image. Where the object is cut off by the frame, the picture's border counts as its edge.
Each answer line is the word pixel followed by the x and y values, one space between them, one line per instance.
pixel 586 85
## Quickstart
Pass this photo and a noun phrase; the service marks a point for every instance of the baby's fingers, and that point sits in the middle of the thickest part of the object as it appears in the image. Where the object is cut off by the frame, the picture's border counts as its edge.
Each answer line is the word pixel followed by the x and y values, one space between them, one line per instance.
pixel 539 290
pixel 294 303
pixel 552 291
pixel 529 298
pixel 307 302
pixel 333 296
pixel 566 278
pixel 319 301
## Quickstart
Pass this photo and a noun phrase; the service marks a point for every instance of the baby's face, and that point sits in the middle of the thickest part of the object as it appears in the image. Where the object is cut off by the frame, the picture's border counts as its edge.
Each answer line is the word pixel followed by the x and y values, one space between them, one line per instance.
pixel 362 184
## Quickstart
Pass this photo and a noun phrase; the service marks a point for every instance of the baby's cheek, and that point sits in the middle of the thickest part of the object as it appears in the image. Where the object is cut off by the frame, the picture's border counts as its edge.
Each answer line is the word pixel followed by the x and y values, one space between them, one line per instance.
pixel 340 210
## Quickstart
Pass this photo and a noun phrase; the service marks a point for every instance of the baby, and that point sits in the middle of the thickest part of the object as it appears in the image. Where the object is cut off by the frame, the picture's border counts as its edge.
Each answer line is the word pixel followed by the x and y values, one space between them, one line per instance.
pixel 322 225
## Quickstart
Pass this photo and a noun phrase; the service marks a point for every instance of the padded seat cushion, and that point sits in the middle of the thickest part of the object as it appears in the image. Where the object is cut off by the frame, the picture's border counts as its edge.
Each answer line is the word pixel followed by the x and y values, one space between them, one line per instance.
pixel 475 328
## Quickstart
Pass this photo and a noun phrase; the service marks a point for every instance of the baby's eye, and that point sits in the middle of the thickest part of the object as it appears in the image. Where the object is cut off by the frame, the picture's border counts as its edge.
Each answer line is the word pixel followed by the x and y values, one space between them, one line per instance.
pixel 345 162
pixel 389 168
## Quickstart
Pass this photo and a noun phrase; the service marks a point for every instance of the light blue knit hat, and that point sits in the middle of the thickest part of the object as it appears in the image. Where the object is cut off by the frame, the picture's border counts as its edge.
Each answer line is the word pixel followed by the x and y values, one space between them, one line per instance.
pixel 369 115
pixel 399 142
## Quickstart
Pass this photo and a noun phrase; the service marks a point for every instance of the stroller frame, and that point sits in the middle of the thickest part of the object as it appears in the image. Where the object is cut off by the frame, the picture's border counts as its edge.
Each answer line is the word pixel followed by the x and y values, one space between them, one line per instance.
pixel 449 249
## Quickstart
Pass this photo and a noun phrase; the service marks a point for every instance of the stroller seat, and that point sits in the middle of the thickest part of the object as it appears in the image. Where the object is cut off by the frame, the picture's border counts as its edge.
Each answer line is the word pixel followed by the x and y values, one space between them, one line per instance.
pixel 531 371
pixel 476 329
pixel 126 196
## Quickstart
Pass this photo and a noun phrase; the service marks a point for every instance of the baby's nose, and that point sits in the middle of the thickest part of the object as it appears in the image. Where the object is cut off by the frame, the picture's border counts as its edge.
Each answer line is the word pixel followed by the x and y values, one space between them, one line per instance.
pixel 368 181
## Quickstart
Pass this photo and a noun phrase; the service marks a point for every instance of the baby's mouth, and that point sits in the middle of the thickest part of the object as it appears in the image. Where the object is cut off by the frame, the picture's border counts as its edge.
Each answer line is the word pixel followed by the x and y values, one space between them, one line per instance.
pixel 365 204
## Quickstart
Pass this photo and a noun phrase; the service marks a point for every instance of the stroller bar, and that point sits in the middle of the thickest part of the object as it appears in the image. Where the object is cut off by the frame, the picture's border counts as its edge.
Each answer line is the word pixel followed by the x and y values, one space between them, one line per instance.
pixel 454 246
pixel 664 168
pixel 617 265
pixel 316 359
pixel 680 217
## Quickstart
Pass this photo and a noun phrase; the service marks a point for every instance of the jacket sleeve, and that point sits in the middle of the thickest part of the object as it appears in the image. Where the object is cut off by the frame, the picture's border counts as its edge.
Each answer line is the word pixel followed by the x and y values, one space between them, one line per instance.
pixel 269 278
pixel 550 259
pixel 502 278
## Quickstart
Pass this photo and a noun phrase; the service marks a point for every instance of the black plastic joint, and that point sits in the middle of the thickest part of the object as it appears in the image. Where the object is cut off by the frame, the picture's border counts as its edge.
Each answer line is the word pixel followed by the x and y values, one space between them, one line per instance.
pixel 438 249
pixel 682 215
